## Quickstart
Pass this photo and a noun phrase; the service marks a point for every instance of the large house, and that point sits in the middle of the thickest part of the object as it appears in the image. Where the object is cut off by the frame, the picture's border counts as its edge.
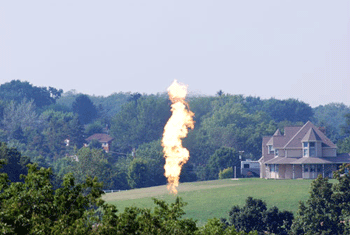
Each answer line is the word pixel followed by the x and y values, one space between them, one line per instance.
pixel 302 152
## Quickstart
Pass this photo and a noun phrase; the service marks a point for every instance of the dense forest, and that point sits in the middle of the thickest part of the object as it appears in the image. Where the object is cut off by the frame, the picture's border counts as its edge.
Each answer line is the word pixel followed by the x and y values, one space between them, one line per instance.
pixel 38 121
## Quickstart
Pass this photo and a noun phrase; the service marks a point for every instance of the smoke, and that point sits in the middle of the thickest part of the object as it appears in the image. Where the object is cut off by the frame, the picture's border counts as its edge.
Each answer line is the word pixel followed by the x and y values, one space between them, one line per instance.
pixel 174 131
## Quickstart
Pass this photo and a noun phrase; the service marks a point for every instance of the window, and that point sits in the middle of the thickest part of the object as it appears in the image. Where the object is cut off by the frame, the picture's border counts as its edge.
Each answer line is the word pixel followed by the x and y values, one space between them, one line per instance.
pixel 270 149
pixel 246 166
pixel 319 168
pixel 305 149
pixel 273 168
pixel 305 152
pixel 276 152
pixel 306 168
pixel 309 149
pixel 312 149
pixel 312 168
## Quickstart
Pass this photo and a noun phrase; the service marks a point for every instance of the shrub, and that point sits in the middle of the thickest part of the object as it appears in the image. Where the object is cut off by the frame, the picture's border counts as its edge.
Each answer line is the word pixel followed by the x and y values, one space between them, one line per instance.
pixel 226 173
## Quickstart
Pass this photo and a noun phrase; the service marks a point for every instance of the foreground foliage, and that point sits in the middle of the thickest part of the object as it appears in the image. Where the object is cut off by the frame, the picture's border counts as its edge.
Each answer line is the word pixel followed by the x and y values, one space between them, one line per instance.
pixel 34 207
pixel 327 211
pixel 254 215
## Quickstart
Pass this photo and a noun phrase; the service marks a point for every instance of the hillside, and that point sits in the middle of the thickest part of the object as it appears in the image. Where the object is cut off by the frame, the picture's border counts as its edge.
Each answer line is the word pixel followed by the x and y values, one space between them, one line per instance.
pixel 208 199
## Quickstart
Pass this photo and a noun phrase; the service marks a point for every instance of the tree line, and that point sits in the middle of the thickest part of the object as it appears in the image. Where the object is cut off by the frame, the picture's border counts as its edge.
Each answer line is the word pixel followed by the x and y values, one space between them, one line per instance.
pixel 38 121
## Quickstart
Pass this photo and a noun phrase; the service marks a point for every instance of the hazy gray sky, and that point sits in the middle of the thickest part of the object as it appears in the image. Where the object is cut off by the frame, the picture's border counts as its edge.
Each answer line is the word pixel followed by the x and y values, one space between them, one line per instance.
pixel 282 49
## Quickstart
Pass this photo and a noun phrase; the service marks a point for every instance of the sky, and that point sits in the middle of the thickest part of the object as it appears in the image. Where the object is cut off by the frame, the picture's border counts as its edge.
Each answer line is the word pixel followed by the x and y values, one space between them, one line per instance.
pixel 281 49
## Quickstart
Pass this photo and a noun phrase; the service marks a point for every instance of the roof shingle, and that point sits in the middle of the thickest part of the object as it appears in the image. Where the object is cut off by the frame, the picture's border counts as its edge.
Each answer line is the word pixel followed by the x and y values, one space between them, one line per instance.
pixel 101 137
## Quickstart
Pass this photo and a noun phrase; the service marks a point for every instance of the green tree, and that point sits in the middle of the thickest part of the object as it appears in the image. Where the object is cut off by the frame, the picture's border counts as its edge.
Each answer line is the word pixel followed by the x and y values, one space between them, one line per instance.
pixel 107 106
pixel 254 215
pixel 288 110
pixel 2 108
pixel 316 215
pixel 95 144
pixel 327 211
pixel 215 226
pixel 138 173
pixel 222 158
pixel 18 91
pixel 152 153
pixel 146 167
pixel 18 117
pixel 344 145
pixel 278 222
pixel 89 163
pixel 15 163
pixel 345 129
pixel 33 207
pixel 93 128
pixel 332 118
pixel 140 121
pixel 250 216
pixel 56 128
pixel 84 108
pixel 230 125
pixel 201 106
pixel 121 167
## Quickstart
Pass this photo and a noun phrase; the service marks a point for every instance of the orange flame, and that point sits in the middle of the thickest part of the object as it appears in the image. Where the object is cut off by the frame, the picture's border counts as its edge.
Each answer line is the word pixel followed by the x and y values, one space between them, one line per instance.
pixel 174 131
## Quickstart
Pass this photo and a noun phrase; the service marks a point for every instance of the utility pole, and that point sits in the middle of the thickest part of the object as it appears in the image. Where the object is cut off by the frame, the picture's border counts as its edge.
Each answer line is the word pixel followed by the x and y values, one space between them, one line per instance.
pixel 240 159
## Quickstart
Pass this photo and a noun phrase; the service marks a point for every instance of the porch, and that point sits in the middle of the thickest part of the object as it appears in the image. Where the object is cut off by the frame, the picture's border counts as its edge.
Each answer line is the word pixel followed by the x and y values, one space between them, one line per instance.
pixel 299 171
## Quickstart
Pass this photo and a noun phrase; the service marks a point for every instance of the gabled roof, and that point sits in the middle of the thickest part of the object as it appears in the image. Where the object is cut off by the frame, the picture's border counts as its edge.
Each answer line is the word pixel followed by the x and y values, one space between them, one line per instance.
pixel 101 137
pixel 305 133
pixel 290 131
pixel 311 135
pixel 277 141
pixel 274 140
pixel 277 133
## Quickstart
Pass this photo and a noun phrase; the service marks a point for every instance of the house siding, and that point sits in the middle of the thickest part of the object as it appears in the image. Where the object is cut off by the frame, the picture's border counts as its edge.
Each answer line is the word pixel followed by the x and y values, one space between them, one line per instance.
pixel 327 152
pixel 289 172
pixel 281 152
pixel 294 152
pixel 319 152
pixel 298 172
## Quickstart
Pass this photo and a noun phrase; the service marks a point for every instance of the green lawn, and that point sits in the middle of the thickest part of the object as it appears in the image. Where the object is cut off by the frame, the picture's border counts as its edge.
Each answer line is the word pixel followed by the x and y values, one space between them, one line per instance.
pixel 208 199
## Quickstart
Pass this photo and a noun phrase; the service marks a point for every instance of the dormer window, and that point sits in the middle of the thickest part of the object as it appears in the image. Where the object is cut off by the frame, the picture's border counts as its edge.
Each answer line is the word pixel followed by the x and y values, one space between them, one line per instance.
pixel 271 150
pixel 276 152
pixel 309 149
pixel 305 149
pixel 312 149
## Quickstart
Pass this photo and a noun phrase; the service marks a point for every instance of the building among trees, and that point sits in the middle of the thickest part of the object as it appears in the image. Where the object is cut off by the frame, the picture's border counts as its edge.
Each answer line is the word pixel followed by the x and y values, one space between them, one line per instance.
pixel 301 152
pixel 104 139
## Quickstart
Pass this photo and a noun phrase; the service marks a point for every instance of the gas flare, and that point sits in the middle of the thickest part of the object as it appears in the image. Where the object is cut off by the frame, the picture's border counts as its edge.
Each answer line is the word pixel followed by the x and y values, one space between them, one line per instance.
pixel 174 131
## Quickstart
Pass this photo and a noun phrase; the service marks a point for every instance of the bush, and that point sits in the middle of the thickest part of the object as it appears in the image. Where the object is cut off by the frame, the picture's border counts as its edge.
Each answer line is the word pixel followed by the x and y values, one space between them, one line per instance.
pixel 226 173
pixel 254 215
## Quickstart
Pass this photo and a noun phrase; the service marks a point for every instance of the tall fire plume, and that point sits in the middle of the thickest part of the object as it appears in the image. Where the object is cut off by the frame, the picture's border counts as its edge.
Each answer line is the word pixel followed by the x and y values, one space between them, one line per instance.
pixel 174 131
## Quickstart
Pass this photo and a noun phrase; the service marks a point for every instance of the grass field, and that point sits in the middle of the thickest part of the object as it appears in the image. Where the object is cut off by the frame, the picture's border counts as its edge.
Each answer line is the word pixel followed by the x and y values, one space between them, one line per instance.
pixel 208 199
